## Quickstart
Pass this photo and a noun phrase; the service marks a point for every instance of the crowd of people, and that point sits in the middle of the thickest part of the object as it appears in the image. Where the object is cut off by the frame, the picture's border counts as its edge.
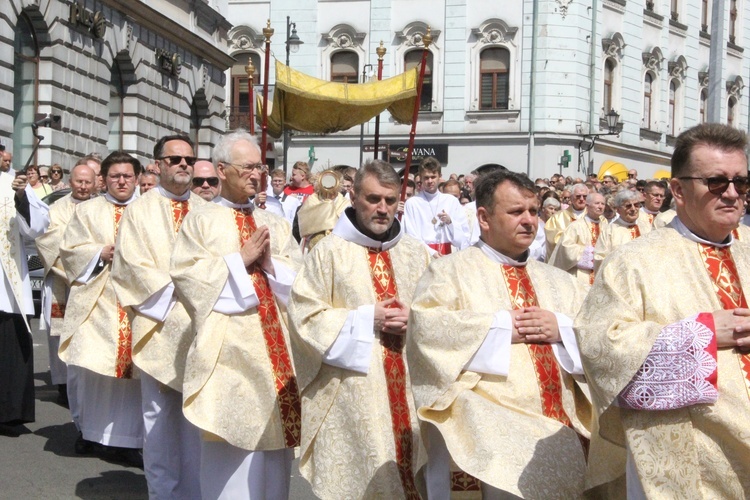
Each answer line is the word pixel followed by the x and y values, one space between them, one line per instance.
pixel 490 337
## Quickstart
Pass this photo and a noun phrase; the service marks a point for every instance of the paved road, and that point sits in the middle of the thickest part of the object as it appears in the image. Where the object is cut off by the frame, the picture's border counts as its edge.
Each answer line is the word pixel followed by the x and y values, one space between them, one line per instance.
pixel 40 462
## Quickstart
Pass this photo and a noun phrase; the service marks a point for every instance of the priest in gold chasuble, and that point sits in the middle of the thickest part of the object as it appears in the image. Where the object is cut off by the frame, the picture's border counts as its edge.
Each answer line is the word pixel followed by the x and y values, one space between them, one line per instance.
pixel 574 252
pixel 96 341
pixel 664 333
pixel 162 329
pixel 494 363
pixel 55 292
pixel 232 266
pixel 348 313
pixel 627 227
pixel 555 225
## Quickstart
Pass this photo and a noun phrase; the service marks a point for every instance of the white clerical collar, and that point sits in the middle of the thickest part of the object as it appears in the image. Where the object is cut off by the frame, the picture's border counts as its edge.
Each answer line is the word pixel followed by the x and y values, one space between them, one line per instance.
pixel 592 221
pixel 614 219
pixel 172 196
pixel 239 206
pixel 429 196
pixel 345 229
pixel 644 209
pixel 622 222
pixel 681 228
pixel 113 201
pixel 76 201
pixel 576 213
pixel 500 258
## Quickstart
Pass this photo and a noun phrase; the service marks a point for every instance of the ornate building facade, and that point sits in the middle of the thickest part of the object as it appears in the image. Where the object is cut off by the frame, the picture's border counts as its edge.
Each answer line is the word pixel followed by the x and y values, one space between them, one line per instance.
pixel 516 83
pixel 113 74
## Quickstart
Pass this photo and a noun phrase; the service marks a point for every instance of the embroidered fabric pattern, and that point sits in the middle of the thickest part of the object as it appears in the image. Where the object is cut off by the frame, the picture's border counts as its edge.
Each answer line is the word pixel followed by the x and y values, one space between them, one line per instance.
pixel 281 362
pixel 634 231
pixel 179 211
pixel 124 359
pixel 678 371
pixel 384 284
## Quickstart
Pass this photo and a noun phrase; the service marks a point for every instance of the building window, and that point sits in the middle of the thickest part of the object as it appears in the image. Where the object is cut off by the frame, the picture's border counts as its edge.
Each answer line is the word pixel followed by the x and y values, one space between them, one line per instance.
pixel 412 60
pixel 703 106
pixel 671 126
pixel 648 83
pixel 494 74
pixel 733 21
pixel 25 88
pixel 116 96
pixel 704 16
pixel 239 115
pixel 675 8
pixel 195 126
pixel 731 111
pixel 609 75
pixel 345 67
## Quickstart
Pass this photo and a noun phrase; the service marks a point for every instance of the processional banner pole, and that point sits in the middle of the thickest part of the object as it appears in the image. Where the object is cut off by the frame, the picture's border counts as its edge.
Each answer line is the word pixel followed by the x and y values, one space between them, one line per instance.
pixel 381 53
pixel 427 40
pixel 250 70
pixel 267 33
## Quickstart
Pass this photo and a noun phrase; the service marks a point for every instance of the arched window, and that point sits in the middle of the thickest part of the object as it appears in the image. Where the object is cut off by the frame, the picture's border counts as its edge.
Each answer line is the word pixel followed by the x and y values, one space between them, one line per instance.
pixel 648 83
pixel 345 67
pixel 116 96
pixel 671 125
pixel 412 60
pixel 494 74
pixel 240 111
pixel 609 75
pixel 25 88
pixel 704 106
pixel 732 111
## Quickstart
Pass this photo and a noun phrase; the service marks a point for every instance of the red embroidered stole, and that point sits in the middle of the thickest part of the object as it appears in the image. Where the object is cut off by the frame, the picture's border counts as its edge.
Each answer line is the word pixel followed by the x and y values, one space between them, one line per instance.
pixel 635 232
pixel 723 273
pixel 179 210
pixel 281 362
pixel 58 310
pixel 124 359
pixel 650 217
pixel 522 295
pixel 595 231
pixel 384 284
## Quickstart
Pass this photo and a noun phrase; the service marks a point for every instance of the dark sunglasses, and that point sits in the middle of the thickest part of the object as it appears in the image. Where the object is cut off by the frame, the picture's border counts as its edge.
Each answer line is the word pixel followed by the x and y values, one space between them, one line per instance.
pixel 717 185
pixel 55 171
pixel 212 181
pixel 176 159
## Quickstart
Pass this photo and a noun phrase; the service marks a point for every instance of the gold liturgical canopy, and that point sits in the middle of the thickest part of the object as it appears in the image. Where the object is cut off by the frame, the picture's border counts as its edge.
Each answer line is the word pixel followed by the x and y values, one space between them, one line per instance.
pixel 307 104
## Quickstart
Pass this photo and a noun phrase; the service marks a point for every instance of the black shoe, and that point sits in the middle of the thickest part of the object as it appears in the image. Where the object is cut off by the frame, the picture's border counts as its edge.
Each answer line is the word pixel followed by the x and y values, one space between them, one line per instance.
pixel 127 456
pixel 62 395
pixel 83 446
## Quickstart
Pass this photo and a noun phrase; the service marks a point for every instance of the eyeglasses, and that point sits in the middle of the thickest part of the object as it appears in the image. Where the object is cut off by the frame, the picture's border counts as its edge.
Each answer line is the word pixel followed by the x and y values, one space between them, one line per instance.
pixel 115 177
pixel 55 171
pixel 44 176
pixel 717 185
pixel 631 205
pixel 580 196
pixel 177 159
pixel 250 167
pixel 212 181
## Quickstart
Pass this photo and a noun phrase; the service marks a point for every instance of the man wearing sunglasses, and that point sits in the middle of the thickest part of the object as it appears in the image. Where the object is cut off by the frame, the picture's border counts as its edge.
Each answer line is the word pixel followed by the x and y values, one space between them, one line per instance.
pixel 206 183
pixel 233 265
pixel 665 330
pixel 556 224
pixel 161 326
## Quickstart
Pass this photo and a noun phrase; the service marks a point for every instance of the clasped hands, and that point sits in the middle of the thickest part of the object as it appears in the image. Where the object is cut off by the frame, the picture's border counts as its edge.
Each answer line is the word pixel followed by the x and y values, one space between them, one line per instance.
pixel 732 328
pixel 257 249
pixel 391 316
pixel 533 325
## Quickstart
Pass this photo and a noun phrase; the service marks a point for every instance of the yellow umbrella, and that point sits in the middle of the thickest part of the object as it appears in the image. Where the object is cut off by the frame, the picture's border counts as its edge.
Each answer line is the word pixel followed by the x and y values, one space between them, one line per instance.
pixel 615 169
pixel 663 174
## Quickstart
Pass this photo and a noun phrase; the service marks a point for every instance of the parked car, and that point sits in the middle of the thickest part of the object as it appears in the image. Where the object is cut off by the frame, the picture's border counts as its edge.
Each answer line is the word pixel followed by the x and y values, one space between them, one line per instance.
pixel 36 269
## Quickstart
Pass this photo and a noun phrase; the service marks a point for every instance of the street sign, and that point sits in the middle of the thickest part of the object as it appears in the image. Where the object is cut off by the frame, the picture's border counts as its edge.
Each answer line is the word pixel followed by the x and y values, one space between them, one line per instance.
pixel 370 148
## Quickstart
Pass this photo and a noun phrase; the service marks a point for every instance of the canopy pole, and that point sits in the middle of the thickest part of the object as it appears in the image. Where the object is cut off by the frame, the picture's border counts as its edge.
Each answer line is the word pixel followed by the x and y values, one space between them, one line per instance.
pixel 381 53
pixel 250 70
pixel 427 40
pixel 267 33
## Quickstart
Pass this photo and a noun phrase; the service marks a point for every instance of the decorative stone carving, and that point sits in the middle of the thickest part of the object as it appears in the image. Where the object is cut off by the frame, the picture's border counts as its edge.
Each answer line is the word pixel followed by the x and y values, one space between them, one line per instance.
pixel 652 60
pixel 244 38
pixel 344 36
pixel 494 31
pixel 703 79
pixel 613 46
pixel 734 87
pixel 678 68
pixel 412 34
pixel 564 7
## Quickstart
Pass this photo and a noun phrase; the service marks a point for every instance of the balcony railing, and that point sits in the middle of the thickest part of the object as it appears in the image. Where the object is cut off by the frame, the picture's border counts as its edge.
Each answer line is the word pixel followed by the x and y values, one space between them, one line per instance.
pixel 239 117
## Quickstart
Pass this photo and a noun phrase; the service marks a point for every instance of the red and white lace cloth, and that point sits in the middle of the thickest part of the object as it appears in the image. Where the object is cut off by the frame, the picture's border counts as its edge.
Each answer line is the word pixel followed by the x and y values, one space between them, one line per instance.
pixel 679 371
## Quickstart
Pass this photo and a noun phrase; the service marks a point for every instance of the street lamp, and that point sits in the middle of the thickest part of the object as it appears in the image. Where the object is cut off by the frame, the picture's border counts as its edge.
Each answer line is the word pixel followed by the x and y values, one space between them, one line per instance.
pixel 293 42
pixel 613 118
